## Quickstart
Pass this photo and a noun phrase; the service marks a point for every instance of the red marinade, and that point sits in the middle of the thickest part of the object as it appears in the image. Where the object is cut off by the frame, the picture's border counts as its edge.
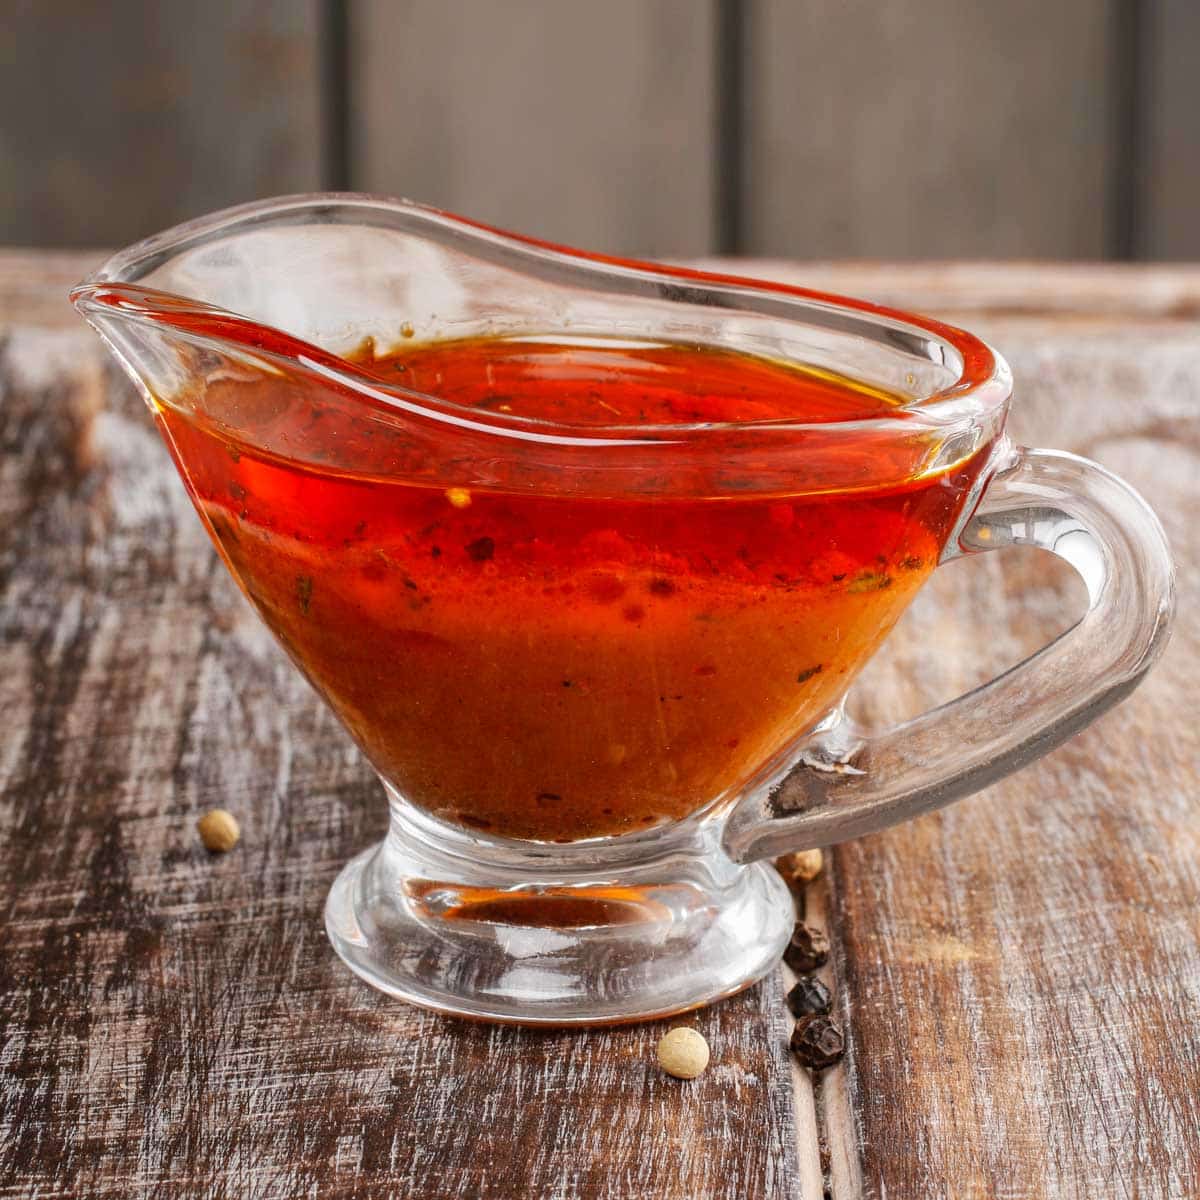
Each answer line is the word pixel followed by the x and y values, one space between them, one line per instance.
pixel 552 665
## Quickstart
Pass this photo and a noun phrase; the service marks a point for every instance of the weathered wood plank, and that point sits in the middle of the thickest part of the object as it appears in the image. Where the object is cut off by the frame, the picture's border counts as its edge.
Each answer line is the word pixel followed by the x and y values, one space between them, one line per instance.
pixel 123 119
pixel 34 285
pixel 588 124
pixel 172 1023
pixel 1018 973
pixel 1072 294
pixel 1167 196
pixel 924 129
pixel 1020 970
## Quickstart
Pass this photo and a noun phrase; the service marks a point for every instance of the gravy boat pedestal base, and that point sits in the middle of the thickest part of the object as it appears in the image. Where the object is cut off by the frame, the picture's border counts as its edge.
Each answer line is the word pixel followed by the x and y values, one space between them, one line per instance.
pixel 497 930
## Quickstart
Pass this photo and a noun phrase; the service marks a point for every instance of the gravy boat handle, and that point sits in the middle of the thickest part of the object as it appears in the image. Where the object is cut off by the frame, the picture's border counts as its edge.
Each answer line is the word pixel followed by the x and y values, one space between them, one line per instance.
pixel 848 782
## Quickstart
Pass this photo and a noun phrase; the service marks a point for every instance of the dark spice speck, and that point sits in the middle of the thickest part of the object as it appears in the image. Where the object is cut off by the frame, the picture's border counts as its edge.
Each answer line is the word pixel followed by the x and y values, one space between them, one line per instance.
pixel 869 581
pixel 817 1042
pixel 810 997
pixel 808 949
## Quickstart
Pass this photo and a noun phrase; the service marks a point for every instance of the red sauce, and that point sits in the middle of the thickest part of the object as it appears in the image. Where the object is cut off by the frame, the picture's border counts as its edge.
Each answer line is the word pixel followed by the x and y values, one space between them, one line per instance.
pixel 544 663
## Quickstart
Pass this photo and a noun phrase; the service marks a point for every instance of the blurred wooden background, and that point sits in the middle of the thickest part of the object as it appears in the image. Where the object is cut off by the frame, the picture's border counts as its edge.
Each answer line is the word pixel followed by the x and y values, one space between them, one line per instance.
pixel 800 128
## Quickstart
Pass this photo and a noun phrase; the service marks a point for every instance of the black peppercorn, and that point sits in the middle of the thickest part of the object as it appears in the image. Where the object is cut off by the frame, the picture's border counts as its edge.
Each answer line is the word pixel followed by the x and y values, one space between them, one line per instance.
pixel 810 997
pixel 817 1042
pixel 808 949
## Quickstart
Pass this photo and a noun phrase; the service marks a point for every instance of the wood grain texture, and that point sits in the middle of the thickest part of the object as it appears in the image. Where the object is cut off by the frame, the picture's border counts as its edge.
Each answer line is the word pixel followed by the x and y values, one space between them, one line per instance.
pixel 1167 199
pixel 922 129
pixel 122 119
pixel 175 1024
pixel 1038 299
pixel 1019 975
pixel 1021 971
pixel 585 123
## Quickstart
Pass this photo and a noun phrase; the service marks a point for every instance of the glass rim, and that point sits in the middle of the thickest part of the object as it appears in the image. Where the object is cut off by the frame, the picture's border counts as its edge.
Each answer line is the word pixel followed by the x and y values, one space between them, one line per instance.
pixel 983 383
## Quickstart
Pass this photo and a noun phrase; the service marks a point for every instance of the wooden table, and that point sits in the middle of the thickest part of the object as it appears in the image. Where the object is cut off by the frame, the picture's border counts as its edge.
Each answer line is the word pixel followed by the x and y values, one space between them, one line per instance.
pixel 1019 975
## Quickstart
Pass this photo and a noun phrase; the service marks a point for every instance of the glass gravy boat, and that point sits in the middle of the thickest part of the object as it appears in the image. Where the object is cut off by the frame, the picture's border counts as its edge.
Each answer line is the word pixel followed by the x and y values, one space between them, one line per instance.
pixel 599 663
